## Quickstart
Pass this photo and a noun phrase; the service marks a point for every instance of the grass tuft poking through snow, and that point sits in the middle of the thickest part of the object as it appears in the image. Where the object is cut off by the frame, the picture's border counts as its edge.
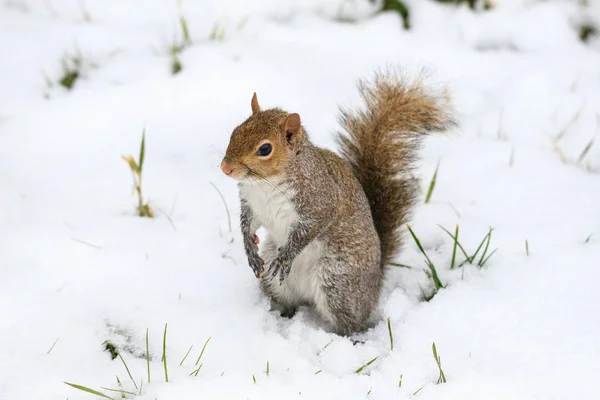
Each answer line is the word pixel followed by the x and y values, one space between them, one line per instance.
pixel 432 272
pixel 484 258
pixel 71 66
pixel 137 168
pixel 177 47
pixel 217 34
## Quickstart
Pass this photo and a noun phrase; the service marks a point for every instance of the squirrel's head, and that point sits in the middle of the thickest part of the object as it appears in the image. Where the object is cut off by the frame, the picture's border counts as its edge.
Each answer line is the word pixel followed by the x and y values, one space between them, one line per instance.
pixel 262 146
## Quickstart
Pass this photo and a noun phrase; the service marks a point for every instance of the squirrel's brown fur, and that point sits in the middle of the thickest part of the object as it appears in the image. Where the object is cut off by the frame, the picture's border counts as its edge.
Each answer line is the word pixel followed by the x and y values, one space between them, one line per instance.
pixel 381 144
pixel 332 222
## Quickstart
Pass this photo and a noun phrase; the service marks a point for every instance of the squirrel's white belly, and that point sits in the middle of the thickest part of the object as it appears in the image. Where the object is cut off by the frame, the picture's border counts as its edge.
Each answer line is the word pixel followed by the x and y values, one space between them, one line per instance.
pixel 272 207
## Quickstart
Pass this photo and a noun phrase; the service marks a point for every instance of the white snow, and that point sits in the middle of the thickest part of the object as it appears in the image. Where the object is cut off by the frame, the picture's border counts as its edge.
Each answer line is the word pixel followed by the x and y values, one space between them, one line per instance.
pixel 79 268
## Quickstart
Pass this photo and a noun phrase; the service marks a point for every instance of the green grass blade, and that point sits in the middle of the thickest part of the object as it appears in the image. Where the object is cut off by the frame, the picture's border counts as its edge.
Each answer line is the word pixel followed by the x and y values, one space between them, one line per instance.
pixel 480 246
pixel 184 29
pixel 575 117
pixel 51 347
pixel 432 184
pixel 401 265
pixel 119 391
pixel 433 275
pixel 454 248
pixel 128 372
pixel 88 390
pixel 202 352
pixel 164 356
pixel 267 370
pixel 438 361
pixel 186 355
pixel 457 243
pixel 326 346
pixel 418 243
pixel 147 355
pixel 358 371
pixel 435 354
pixel 527 247
pixel 585 151
pixel 389 324
pixel 254 379
pixel 195 372
pixel 142 150
pixel 418 390
pixel 488 257
pixel 318 372
pixel 400 381
pixel 487 245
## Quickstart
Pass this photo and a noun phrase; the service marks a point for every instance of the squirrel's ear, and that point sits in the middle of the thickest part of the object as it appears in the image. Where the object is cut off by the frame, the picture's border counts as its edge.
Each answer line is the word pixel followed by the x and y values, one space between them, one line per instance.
pixel 291 127
pixel 254 104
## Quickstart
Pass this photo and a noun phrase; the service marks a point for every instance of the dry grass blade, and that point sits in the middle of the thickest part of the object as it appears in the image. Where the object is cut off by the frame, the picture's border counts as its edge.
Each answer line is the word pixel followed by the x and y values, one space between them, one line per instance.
pixel 52 347
pixel 585 151
pixel 225 204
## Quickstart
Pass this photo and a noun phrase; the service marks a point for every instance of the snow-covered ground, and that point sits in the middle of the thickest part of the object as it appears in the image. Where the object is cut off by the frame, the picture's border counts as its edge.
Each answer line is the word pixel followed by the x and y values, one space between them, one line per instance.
pixel 78 268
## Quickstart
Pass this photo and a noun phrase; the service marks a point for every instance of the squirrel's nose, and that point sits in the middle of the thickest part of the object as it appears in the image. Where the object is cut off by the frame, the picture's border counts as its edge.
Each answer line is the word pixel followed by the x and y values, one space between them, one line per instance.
pixel 226 168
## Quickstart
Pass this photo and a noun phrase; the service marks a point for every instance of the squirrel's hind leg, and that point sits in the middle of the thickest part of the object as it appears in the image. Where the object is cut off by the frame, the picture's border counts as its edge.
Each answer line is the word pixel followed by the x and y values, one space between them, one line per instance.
pixel 347 300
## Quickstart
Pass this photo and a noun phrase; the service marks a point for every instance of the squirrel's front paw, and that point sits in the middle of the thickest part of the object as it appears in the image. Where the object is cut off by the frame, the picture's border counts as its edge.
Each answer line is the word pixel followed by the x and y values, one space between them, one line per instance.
pixel 281 267
pixel 257 264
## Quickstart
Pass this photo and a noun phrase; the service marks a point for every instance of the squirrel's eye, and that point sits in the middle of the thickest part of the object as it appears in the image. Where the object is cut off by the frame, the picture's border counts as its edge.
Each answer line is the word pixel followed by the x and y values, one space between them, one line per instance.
pixel 265 149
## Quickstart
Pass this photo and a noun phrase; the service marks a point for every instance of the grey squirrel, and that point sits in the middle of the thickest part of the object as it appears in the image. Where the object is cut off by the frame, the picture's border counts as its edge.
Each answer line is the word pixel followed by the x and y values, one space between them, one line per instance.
pixel 333 222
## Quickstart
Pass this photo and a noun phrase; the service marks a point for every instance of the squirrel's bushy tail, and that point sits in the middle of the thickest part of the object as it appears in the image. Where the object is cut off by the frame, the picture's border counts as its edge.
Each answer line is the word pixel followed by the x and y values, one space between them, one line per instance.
pixel 381 144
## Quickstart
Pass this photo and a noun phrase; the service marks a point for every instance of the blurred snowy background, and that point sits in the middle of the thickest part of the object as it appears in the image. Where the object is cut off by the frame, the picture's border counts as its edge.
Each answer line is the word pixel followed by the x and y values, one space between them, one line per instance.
pixel 83 279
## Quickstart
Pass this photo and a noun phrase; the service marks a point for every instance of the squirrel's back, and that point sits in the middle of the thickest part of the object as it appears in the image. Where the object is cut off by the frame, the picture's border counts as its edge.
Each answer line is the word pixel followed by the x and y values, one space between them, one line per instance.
pixel 381 144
